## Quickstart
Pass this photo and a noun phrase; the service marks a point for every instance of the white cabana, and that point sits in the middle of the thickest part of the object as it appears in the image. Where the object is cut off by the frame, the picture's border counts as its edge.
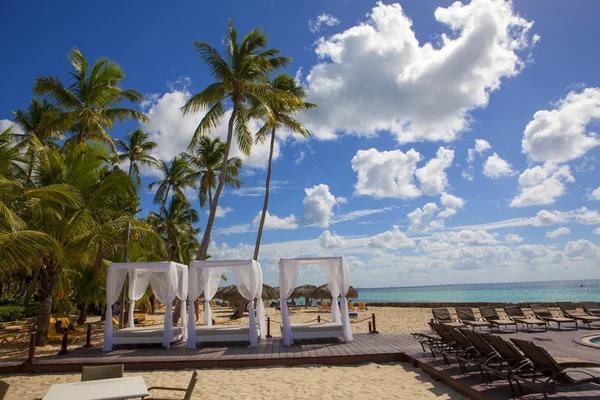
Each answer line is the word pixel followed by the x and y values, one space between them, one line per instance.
pixel 338 281
pixel 168 279
pixel 205 277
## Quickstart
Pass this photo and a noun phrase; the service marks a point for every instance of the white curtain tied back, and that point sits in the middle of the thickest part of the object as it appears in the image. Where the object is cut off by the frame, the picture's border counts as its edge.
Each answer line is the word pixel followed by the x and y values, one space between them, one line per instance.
pixel 338 281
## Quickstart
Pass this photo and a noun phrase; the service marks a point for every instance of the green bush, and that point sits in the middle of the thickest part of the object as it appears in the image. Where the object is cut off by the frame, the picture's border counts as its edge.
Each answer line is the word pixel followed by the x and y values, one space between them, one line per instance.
pixel 11 312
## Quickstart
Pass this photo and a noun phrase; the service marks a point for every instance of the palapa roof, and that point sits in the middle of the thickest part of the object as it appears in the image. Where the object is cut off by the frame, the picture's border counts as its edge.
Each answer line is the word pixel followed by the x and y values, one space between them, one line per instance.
pixel 231 293
pixel 322 292
pixel 305 291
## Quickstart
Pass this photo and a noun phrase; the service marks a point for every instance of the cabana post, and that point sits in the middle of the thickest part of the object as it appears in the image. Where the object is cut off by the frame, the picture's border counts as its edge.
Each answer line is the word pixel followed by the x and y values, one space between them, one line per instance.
pixel 168 280
pixel 338 281
pixel 205 277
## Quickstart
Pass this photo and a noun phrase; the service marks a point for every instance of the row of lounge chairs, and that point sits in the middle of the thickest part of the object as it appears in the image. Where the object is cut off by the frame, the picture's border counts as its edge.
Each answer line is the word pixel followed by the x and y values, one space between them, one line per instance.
pixel 515 316
pixel 521 362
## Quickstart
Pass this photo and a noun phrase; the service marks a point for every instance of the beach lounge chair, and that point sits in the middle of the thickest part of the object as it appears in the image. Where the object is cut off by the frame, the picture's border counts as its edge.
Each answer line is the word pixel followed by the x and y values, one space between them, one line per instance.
pixel 362 306
pixel 544 314
pixel 491 360
pixel 432 341
pixel 575 372
pixel 571 311
pixel 447 345
pixel 188 391
pixel 54 335
pixel 94 373
pixel 468 354
pixel 490 315
pixel 591 308
pixel 516 314
pixel 466 316
pixel 442 316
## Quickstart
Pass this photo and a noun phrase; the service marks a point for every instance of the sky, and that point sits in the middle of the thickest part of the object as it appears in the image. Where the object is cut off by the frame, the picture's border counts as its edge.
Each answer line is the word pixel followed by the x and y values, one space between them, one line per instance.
pixel 454 142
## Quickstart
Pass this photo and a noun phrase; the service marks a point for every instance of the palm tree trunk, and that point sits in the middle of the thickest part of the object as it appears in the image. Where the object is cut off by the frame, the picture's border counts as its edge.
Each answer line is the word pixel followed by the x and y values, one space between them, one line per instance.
pixel 210 199
pixel 215 201
pixel 31 287
pixel 266 203
pixel 48 283
pixel 162 208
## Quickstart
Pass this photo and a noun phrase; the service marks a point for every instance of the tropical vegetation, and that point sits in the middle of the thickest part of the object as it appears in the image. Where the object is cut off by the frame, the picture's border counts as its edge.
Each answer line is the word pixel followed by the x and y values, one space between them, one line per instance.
pixel 69 201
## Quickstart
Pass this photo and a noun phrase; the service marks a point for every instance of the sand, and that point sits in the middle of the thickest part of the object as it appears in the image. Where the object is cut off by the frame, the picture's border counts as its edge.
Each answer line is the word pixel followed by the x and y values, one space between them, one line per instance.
pixel 379 381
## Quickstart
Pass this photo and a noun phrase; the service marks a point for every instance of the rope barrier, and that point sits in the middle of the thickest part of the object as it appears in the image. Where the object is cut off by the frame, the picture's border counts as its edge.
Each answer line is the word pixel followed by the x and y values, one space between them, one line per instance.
pixel 362 320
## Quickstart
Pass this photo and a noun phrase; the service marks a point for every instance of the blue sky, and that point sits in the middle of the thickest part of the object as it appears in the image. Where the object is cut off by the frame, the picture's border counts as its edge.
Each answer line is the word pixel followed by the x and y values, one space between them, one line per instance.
pixel 453 142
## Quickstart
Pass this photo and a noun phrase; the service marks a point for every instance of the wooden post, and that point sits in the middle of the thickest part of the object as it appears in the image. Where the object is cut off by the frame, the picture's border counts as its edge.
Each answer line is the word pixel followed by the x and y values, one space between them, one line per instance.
pixel 213 321
pixel 269 328
pixel 64 344
pixel 31 357
pixel 374 326
pixel 318 318
pixel 88 338
pixel 369 326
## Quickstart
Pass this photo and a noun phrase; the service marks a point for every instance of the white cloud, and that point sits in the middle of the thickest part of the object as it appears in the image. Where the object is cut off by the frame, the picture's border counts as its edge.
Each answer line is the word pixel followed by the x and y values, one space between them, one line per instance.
pixel 256 191
pixel 496 167
pixel 467 237
pixel 221 212
pixel 558 232
pixel 582 250
pixel 447 213
pixel 467 173
pixel 352 215
pixel 392 173
pixel 481 146
pixel 299 158
pixel 386 173
pixel 559 135
pixel 545 218
pixel 595 195
pixel 5 124
pixel 275 222
pixel 318 205
pixel 233 230
pixel 421 219
pixel 512 238
pixel 392 239
pixel 323 19
pixel 172 131
pixel 416 91
pixel 433 176
pixel 451 201
pixel 596 231
pixel 330 241
pixel 587 217
pixel 542 185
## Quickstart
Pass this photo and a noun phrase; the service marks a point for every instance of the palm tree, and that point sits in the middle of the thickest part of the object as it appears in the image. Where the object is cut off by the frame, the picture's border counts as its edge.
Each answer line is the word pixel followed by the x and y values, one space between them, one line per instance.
pixel 73 206
pixel 206 162
pixel 241 77
pixel 136 149
pixel 282 118
pixel 178 176
pixel 35 121
pixel 92 101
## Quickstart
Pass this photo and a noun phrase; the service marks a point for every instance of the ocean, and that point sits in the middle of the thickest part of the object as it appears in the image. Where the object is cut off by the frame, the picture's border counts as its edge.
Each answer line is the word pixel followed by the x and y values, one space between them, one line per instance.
pixel 518 292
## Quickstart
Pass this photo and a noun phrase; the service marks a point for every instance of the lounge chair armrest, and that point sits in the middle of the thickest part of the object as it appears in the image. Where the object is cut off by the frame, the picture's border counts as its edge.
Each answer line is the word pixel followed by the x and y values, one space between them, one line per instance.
pixel 578 371
pixel 167 388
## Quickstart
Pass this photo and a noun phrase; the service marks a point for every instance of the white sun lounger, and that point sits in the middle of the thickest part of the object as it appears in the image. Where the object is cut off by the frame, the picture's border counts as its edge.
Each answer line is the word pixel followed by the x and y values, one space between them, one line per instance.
pixel 223 333
pixel 145 335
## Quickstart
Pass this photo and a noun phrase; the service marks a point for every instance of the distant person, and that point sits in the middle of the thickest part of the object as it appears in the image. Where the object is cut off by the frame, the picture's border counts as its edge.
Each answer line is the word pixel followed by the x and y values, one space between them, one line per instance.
pixel 197 308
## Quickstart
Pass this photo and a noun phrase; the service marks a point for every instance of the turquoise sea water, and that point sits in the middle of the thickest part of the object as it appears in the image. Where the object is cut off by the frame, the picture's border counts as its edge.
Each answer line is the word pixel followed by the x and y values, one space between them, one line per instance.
pixel 521 292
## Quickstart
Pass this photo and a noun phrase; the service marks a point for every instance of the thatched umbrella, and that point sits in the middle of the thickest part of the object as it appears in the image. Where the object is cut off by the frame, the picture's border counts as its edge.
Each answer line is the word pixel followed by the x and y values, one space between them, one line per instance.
pixel 304 291
pixel 230 293
pixel 269 292
pixel 322 292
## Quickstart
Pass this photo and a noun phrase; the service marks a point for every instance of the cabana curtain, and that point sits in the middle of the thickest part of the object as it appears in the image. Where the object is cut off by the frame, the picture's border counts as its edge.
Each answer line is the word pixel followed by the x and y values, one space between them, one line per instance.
pixel 338 281
pixel 168 279
pixel 205 276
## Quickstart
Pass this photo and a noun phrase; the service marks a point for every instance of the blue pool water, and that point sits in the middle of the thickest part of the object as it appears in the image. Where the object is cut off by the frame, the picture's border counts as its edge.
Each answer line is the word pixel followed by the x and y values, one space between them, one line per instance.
pixel 519 292
pixel 595 340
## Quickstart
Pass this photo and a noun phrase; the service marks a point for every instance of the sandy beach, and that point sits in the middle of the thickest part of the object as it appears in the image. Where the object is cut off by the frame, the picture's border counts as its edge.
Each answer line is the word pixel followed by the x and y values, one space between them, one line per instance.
pixel 387 381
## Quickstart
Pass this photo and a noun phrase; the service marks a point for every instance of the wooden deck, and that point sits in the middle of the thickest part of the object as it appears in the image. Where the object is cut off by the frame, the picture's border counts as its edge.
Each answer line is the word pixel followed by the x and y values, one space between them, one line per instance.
pixel 379 348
